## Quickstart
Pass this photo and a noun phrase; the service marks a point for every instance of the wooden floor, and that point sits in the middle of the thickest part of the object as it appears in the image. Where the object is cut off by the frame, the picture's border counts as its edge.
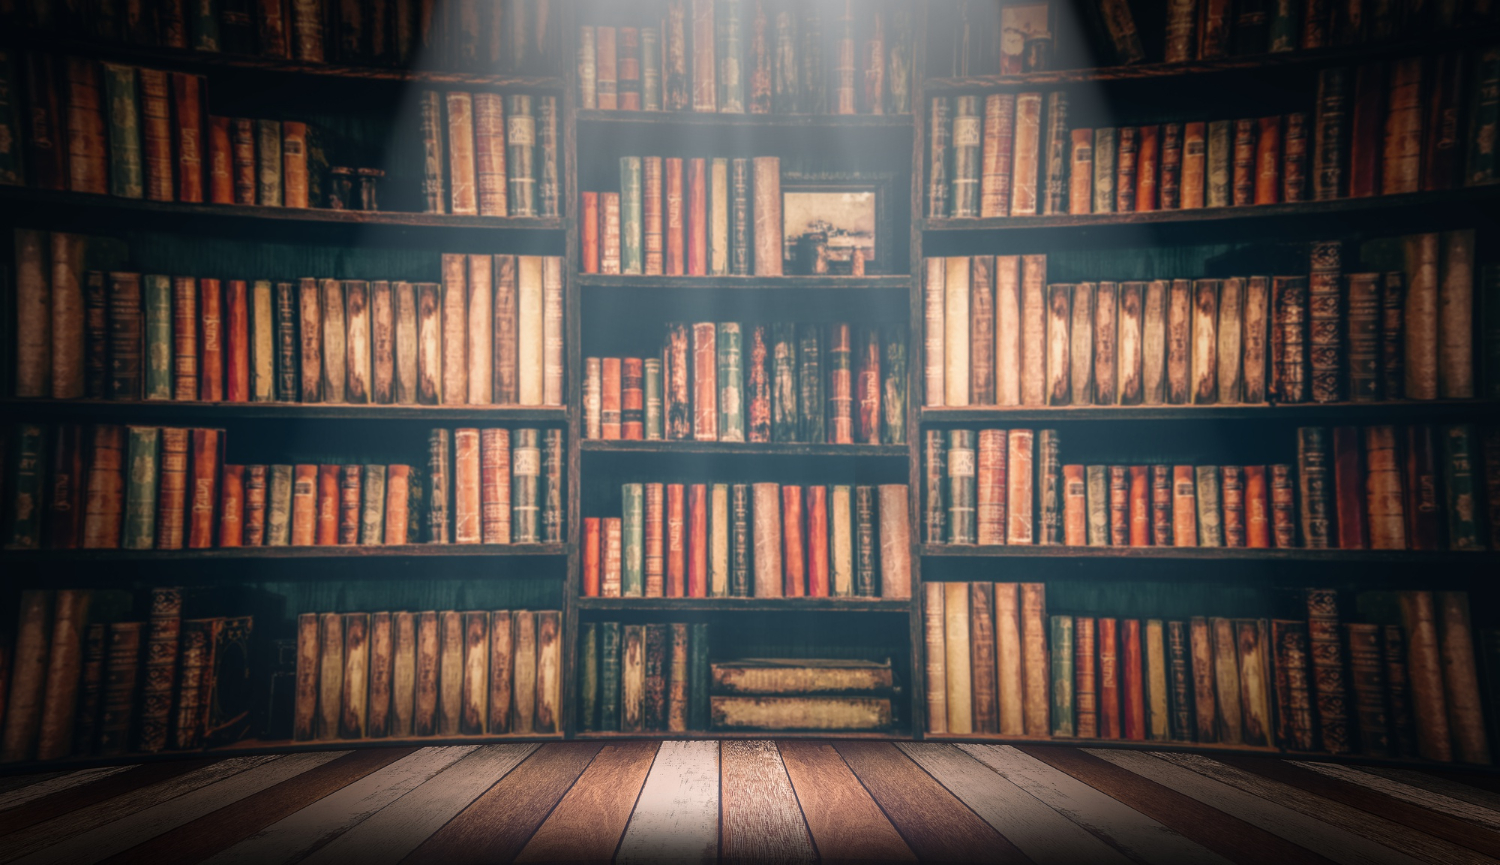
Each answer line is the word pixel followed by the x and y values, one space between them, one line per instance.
pixel 645 801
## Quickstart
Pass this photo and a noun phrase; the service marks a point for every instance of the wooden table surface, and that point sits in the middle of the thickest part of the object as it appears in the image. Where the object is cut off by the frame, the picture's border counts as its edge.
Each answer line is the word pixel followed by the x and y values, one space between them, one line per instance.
pixel 748 800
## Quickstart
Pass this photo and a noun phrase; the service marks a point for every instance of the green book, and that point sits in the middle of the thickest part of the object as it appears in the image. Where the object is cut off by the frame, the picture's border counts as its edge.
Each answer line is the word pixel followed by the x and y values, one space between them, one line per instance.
pixel 268 162
pixel 203 22
pixel 718 217
pixel 279 506
pixel 698 677
pixel 731 383
pixel 588 677
pixel 1484 124
pixel 553 458
pixel 631 254
pixel 526 486
pixel 609 676
pixel 962 488
pixel 1049 490
pixel 1054 193
pixel 141 452
pixel 810 382
pixel 520 154
pixel 651 387
pixel 741 222
pixel 1105 142
pixel 730 23
pixel 1220 157
pixel 1458 484
pixel 893 388
pixel 784 414
pixel 549 184
pixel 718 540
pixel 632 540
pixel 1285 24
pixel 866 543
pixel 1210 512
pixel 372 508
pixel 262 342
pixel 740 543
pixel 10 124
pixel 126 168
pixel 26 479
pixel 1096 498
pixel 935 483
pixel 967 138
pixel 158 326
pixel 439 485
pixel 1062 676
pixel 650 69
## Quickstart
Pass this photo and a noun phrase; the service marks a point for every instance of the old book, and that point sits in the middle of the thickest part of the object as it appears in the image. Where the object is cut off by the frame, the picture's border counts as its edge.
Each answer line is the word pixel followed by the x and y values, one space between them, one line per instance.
pixel 1330 133
pixel 1106 355
pixel 1179 682
pixel 957 664
pixel 1184 507
pixel 1252 637
pixel 1105 146
pixel 895 542
pixel 991 487
pixel 1161 506
pixel 935 329
pixel 1130 344
pixel 1255 324
pixel 1127 167
pixel 1327 665
pixel 1155 681
pixel 1205 341
pixel 1059 314
pixel 1019 490
pixel 1147 168
pixel 961 491
pixel 1170 181
pixel 1119 506
pixel 1026 186
pixel 1181 341
pixel 1367 680
pixel 1081 347
pixel 1110 726
pixel 1325 323
pixel 1348 483
pixel 1194 165
pixel 935 655
pixel 935 514
pixel 1242 183
pixel 1230 331
pixel 1062 677
pixel 1295 157
pixel 1425 669
pixel 353 714
pixel 1366 127
pixel 1133 685
pixel 1314 486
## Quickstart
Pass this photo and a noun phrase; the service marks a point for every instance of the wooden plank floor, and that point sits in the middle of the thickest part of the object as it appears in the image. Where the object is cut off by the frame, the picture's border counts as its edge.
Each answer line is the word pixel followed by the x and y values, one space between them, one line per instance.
pixel 749 801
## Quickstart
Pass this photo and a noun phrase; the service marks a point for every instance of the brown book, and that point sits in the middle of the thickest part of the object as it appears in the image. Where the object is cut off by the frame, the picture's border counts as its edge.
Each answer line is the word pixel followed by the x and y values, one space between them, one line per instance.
pixel 1080 172
pixel 461 165
pixel 467 498
pixel 1059 314
pixel 330 675
pixel 895 542
pixel 495 486
pixel 310 325
pixel 1161 505
pixel 1035 669
pixel 1171 166
pixel 609 232
pixel 172 489
pixel 1205 705
pixel 232 507
pixel 184 334
pixel 1194 164
pixel 382 344
pixel 610 398
pixel 1267 160
pixel 794 553
pixel 1109 679
pixel 1085 679
pixel 767 215
pixel 1251 638
pixel 1325 649
pixel 1229 714
pixel 1008 350
pixel 524 671
pixel 1106 344
pixel 1026 154
pixel 1205 346
pixel 1147 168
pixel 697 217
pixel 1242 163
pixel 767 554
pixel 1133 685
pixel 1398 693
pixel 1325 323
pixel 242 160
pixel 1140 507
pixel 985 708
pixel 1401 159
pixel 397 498
pixel 991 486
pixel 357 365
pixel 220 161
pixel 479 303
pixel 255 505
pixel 996 157
pixel 63 671
pixel 1081 347
pixel 1034 314
pixel 1367 132
pixel 1424 662
pixel 1230 332
pixel 1294 155
pixel 1367 679
pixel 1180 341
pixel 817 541
pixel 1130 343
pixel 351 479
pixel 354 708
pixel 1349 480
pixel 1257 508
pixel 474 689
pixel 88 155
pixel 47 144
pixel 305 705
pixel 450 671
pixel 501 652
pixel 1460 679
pixel 328 500
pixel 378 711
pixel 203 491
pixel 1442 128
pixel 1184 507
pixel 981 335
pixel 653 228
pixel 676 541
pixel 455 363
pixel 1383 498
pixel 548 672
pixel 1019 486
pixel 1119 506
pixel 1255 327
pixel 426 674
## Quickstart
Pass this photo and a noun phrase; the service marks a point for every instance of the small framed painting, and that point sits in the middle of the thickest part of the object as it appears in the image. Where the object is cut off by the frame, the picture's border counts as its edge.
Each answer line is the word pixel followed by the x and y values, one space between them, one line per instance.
pixel 846 215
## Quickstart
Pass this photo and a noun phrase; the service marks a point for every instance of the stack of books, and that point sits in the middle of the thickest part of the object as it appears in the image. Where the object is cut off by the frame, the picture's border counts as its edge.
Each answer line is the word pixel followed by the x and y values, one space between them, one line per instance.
pixel 801 694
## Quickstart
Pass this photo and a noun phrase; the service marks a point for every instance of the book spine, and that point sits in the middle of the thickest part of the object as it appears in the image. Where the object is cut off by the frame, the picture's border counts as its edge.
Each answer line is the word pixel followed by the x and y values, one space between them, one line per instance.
pixel 1313 481
pixel 1325 323
pixel 1254 330
pixel 1460 487
pixel 1110 726
pixel 156 133
pixel 520 157
pixel 1289 339
pixel 1106 143
pixel 1184 507
pixel 1059 313
pixel 996 156
pixel 1148 168
pixel 1127 164
pixel 1062 645
pixel 1026 150
pixel 1129 346
pixel 767 215
pixel 1232 500
pixel 966 144
pixel 794 543
pixel 1085 679
pixel 1325 650
pixel 1080 192
pixel 730 382
pixel 840 409
pixel 1367 679
pixel 1119 506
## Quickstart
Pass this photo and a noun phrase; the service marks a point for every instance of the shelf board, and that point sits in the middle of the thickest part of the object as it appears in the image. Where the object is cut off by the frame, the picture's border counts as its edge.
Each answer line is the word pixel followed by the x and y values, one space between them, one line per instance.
pixel 744 734
pixel 607 120
pixel 186 411
pixel 746 605
pixel 207 62
pixel 356 552
pixel 898 282
pixel 1385 412
pixel 1372 208
pixel 1245 63
pixel 1211 554
pixel 769 449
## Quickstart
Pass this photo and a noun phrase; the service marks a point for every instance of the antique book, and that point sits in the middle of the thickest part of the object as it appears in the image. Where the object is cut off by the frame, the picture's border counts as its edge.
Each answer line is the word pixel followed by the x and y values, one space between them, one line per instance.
pixel 1133 684
pixel 1295 157
pixel 1155 681
pixel 1194 164
pixel 1127 151
pixel 1109 679
pixel 1425 671
pixel 1026 174
pixel 991 487
pixel 1105 144
pixel 1147 168
pixel 1205 341
pixel 1330 134
pixel 1230 331
pixel 1059 313
pixel 1062 677
pixel 996 156
pixel 1106 330
pixel 1314 487
pixel 1367 681
pixel 1251 637
pixel 1181 341
pixel 1170 181
pixel 1019 487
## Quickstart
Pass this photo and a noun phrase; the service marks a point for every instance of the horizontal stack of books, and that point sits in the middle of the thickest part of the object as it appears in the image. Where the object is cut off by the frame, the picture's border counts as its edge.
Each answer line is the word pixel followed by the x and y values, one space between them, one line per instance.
pixel 1378 487
pixel 687 217
pixel 998 334
pixel 753 56
pixel 734 382
pixel 501 156
pixel 162 488
pixel 1369 133
pixel 761 540
pixel 91 676
pixel 444 673
pixel 998 664
pixel 774 694
pixel 489 333
pixel 643 678
pixel 468 35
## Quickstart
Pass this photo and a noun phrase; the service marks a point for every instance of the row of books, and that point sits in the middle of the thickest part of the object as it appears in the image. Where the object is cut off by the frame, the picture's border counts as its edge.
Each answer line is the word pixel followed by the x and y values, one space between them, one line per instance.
pixel 470 35
pixel 1378 487
pixel 1374 131
pixel 997 663
pixel 490 333
pixel 107 673
pixel 761 540
pixel 686 217
pixel 735 382
pixel 168 488
pixel 636 678
pixel 753 56
pixel 998 334
pixel 500 158
pixel 431 673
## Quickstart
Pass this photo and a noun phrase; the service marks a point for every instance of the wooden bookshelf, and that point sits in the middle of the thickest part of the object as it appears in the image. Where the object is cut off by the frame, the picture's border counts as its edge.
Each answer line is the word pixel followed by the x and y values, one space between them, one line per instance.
pixel 744 605
pixel 355 552
pixel 1329 557
pixel 184 411
pixel 749 449
pixel 790 283
pixel 1351 412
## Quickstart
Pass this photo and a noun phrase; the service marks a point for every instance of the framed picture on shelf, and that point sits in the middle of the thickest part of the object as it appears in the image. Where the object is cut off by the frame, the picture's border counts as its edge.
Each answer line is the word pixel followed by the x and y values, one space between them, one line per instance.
pixel 833 218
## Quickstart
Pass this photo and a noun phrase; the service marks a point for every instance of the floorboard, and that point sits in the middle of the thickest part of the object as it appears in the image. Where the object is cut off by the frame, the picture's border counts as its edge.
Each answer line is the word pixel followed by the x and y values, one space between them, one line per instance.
pixel 676 817
pixel 16 782
pixel 1480 814
pixel 844 821
pixel 590 820
pixel 1438 784
pixel 760 819
pixel 81 796
pixel 54 784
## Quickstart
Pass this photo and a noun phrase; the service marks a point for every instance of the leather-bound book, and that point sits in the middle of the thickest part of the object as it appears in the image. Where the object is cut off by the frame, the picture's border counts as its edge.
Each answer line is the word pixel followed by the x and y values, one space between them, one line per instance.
pixel 1325 646
pixel 1289 339
pixel 1096 495
pixel 675 545
pixel 1127 155
pixel 1367 129
pixel 1296 727
pixel 1105 141
pixel 654 540
pixel 1119 506
pixel 1081 344
pixel 1425 670
pixel 1161 505
pixel 1084 686
pixel 935 306
pixel 1129 346
pixel 1398 692
pixel 397 505
pixel 1243 163
pixel 172 488
pixel 1148 168
pixel 1049 486
pixel 354 701
pixel 990 487
pixel 767 556
pixel 816 539
pixel 1455 365
pixel 202 491
pixel 1140 507
pixel 895 542
pixel 256 484
pixel 958 660
pixel 1367 680
pixel 794 552
pixel 1364 290
pixel 1460 679
pixel 1062 677
pixel 935 475
pixel 869 383
pixel 1184 507
pixel 1331 134
pixel 935 656
pixel 1179 681
pixel 1442 129
pixel 1295 157
pixel 1035 669
pixel 1252 637
pixel 1219 176
pixel 358 365
pixel 1033 321
pixel 1314 486
pixel 1194 164
pixel 1254 338
pixel 1026 155
pixel 326 532
pixel 1080 194
pixel 350 495
pixel 741 545
pixel 1229 714
pixel 450 671
pixel 1109 679
pixel 1325 323
pixel 1059 314
pixel 1054 154
pixel 609 232
pixel 1157 684
pixel 965 150
pixel 1423 316
pixel 1019 492
pixel 1204 705
pixel 840 410
pixel 383 344
pixel 1461 493
pixel 1349 481
pixel 1257 508
pixel 1180 341
pixel 1205 341
pixel 1283 506
pixel 1267 160
pixel 1008 326
pixel 981 667
pixel 996 156
pixel 1170 183
pixel 1231 329
pixel 1132 672
pixel 1106 344
pixel 1401 158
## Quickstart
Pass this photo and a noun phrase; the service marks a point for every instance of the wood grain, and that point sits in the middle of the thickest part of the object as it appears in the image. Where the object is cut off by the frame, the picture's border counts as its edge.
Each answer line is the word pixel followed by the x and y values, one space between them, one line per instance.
pixel 16 782
pixel 933 822
pixel 1043 834
pixel 293 837
pixel 1335 843
pixel 400 827
pixel 1133 833
pixel 760 819
pixel 1445 826
pixel 844 821
pixel 589 821
pixel 1484 815
pixel 498 824
pixel 1439 784
pixel 1393 835
pixel 210 833
pixel 54 783
pixel 95 790
pixel 677 815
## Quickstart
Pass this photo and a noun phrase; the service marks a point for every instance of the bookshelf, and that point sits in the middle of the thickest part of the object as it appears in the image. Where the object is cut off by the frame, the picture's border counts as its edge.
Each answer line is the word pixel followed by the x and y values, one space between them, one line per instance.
pixel 602 312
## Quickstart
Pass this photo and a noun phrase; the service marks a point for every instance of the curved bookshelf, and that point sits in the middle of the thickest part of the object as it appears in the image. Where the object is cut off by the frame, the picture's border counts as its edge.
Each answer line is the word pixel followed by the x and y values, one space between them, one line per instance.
pixel 124 410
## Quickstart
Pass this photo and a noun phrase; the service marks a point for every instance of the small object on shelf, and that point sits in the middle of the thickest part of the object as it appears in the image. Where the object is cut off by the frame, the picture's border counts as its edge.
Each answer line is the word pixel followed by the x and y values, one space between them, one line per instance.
pixel 369 181
pixel 812 253
pixel 340 188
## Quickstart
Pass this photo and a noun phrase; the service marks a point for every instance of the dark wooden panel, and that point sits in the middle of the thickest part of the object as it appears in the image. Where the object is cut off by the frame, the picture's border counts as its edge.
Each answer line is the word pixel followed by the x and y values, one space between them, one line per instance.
pixel 845 822
pixel 72 799
pixel 589 821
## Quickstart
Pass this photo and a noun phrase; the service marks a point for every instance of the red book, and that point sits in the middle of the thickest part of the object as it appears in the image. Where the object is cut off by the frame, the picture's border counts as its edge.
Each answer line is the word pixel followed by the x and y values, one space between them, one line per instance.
pixel 697 217
pixel 232 507
pixel 187 134
pixel 1268 161
pixel 817 542
pixel 632 400
pixel 1140 506
pixel 698 541
pixel 1132 680
pixel 1367 130
pixel 1442 150
pixel 840 384
pixel 328 506
pixel 237 342
pixel 654 541
pixel 757 386
pixel 591 542
pixel 203 487
pixel 867 387
pixel 589 232
pixel 1257 508
pixel 1109 680
pixel 1147 168
pixel 1349 489
pixel 65 495
pixel 220 162
pixel 609 398
pixel 794 554
pixel 210 341
pixel 1423 519
pixel 674 204
pixel 676 542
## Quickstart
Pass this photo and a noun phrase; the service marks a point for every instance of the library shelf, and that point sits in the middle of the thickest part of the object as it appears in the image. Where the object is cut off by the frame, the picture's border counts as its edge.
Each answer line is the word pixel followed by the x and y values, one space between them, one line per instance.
pixel 612 447
pixel 1326 557
pixel 745 605
pixel 788 283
